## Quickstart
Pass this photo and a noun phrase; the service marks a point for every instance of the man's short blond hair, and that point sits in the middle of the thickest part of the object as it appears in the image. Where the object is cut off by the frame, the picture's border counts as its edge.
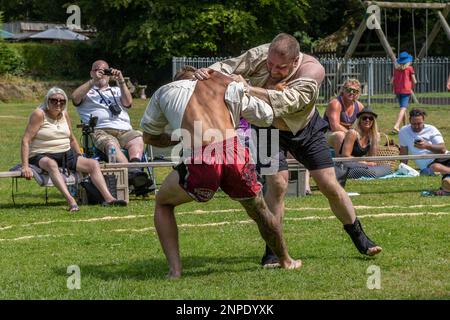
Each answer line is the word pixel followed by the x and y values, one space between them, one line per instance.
pixel 351 82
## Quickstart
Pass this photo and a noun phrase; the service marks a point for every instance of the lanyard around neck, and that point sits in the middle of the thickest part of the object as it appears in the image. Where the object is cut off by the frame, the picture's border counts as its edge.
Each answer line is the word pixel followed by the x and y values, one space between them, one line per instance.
pixel 103 97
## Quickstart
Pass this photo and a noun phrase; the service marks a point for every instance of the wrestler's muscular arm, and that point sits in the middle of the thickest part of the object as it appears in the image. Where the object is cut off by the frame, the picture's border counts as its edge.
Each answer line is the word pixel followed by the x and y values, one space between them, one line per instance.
pixel 160 141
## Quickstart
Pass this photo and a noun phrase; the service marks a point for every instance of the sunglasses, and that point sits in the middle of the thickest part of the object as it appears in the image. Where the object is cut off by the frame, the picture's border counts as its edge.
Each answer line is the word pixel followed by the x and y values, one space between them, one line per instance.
pixel 57 101
pixel 417 113
pixel 351 90
pixel 365 118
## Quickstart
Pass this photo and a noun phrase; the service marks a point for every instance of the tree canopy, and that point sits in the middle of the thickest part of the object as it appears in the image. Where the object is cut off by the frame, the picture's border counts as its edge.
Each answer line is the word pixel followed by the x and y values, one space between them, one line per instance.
pixel 141 36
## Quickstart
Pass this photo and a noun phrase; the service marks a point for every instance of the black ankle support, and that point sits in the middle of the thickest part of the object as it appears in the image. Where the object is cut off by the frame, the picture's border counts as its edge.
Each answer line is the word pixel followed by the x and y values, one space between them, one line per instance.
pixel 269 257
pixel 359 238
pixel 269 251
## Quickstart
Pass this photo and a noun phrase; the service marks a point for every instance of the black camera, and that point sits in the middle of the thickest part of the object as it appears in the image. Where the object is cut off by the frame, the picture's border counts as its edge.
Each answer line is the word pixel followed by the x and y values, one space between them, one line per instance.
pixel 88 128
pixel 115 109
pixel 107 72
pixel 418 140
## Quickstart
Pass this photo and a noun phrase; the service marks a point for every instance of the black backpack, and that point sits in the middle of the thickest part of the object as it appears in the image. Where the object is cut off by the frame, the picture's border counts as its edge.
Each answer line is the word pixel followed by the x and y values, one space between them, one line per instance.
pixel 93 195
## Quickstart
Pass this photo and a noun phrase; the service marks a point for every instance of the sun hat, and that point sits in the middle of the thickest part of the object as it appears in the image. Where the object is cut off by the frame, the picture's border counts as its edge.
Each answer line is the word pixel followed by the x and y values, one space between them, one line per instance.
pixel 404 57
pixel 366 110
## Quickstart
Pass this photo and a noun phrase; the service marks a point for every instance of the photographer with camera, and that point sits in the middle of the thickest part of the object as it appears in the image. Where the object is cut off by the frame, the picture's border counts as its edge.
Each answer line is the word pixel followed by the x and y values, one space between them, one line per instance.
pixel 95 98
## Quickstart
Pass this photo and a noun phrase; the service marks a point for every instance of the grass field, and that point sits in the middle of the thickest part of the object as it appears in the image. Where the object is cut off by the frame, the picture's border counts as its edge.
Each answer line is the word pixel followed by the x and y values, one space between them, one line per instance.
pixel 119 255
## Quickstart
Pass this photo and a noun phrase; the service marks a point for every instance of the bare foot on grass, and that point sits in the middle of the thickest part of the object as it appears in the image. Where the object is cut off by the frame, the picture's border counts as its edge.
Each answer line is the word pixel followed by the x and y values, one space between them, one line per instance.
pixel 373 251
pixel 173 275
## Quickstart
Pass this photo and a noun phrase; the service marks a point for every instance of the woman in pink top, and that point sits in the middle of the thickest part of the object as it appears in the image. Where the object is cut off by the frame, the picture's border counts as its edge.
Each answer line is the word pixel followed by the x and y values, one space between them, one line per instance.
pixel 403 81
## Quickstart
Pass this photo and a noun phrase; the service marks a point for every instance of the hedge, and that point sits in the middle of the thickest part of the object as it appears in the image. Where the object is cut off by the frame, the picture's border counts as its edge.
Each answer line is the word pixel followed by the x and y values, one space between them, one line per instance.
pixel 68 60
pixel 11 61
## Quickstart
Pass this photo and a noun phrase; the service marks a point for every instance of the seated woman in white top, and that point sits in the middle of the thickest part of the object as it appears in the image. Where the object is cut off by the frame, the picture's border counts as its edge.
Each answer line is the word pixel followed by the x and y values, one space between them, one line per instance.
pixel 49 143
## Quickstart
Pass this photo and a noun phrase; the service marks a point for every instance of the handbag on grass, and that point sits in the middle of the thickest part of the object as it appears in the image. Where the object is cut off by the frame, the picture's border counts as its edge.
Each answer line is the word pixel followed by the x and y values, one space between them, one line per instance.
pixel 389 149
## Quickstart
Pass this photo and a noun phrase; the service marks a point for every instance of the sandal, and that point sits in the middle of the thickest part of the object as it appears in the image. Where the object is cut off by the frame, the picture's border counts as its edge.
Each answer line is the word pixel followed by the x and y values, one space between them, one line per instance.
pixel 115 203
pixel 73 208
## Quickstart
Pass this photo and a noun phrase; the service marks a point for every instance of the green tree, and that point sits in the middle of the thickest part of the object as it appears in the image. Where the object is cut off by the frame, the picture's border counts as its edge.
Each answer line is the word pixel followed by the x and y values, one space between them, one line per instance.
pixel 32 10
pixel 146 34
pixel 10 60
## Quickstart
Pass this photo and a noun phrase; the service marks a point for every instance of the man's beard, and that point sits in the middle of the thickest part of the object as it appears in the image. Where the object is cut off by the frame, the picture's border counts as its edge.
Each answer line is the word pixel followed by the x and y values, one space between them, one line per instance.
pixel 276 79
pixel 102 83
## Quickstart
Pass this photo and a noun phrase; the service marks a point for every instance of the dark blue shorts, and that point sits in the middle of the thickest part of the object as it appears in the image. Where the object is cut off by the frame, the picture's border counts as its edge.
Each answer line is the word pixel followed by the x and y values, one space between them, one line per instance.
pixel 403 100
pixel 309 146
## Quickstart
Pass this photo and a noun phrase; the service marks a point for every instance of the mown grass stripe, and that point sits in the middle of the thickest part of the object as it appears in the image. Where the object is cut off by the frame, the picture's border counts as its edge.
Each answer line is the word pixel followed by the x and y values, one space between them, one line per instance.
pixel 129 217
pixel 381 215
pixel 38 236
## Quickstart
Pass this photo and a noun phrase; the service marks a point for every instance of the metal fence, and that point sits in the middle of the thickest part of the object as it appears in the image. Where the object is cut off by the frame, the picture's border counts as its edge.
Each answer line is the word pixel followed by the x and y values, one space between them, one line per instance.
pixel 373 73
pixel 197 62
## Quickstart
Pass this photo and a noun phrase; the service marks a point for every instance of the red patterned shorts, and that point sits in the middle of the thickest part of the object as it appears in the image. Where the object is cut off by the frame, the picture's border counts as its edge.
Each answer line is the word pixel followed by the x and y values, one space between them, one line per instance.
pixel 225 164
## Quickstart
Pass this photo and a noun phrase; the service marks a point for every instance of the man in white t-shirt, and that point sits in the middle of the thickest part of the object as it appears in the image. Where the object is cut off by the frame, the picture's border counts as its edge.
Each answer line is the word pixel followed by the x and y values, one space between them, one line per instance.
pixel 420 138
pixel 110 105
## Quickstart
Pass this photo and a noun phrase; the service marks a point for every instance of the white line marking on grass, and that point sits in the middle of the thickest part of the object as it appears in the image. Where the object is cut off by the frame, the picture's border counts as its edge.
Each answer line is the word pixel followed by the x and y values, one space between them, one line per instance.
pixel 13 117
pixel 210 211
pixel 413 206
pixel 376 215
pixel 190 225
pixel 199 212
pixel 107 218
pixel 36 237
pixel 404 214
pixel 134 230
pixel 316 209
pixel 215 223
pixel 379 215
pixel 372 207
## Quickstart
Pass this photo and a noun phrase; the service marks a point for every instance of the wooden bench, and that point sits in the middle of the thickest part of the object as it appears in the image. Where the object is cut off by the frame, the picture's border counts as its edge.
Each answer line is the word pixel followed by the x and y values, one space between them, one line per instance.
pixel 15 175
pixel 296 181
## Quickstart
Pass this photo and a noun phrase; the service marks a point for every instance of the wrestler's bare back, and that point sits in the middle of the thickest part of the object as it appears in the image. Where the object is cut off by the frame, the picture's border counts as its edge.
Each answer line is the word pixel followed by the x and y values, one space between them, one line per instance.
pixel 207 107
